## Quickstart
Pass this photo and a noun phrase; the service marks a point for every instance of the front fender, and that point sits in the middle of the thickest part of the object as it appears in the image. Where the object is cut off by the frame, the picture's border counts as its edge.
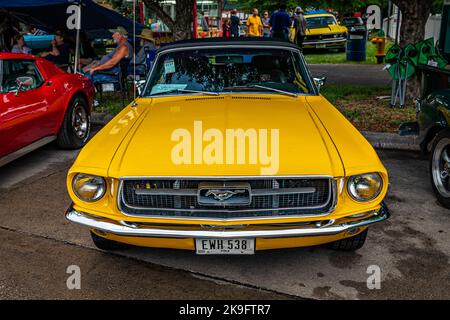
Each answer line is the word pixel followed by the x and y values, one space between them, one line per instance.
pixel 434 116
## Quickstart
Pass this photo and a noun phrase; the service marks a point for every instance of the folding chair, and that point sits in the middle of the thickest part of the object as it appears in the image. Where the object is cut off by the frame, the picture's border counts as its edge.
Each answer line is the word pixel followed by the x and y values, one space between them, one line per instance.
pixel 115 81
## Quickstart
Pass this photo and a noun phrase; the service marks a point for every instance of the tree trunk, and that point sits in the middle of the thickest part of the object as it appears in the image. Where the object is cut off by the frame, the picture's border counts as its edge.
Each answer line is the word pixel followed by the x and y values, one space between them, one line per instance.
pixel 181 27
pixel 154 6
pixel 415 14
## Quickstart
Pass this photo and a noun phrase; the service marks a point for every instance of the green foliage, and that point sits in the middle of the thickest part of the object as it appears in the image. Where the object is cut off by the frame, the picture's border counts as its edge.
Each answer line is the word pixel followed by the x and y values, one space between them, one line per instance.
pixel 335 93
pixel 437 6
pixel 124 7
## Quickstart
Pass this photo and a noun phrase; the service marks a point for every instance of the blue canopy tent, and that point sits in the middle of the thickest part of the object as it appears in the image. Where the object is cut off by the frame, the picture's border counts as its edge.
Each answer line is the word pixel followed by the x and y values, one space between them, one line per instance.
pixel 51 15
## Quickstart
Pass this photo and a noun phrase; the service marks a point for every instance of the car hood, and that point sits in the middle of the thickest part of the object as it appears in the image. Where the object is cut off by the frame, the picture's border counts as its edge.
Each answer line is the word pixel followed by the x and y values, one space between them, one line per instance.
pixel 153 143
pixel 356 153
pixel 330 29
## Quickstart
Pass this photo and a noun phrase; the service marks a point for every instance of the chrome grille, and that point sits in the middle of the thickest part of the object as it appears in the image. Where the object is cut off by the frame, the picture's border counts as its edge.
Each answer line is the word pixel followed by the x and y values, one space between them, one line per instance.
pixel 269 198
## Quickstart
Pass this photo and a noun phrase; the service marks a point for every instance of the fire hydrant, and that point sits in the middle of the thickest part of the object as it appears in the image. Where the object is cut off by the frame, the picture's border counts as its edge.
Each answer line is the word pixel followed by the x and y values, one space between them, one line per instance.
pixel 380 42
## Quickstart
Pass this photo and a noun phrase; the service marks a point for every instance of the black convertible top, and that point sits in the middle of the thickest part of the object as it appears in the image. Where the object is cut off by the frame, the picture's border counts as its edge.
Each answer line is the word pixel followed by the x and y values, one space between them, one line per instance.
pixel 222 42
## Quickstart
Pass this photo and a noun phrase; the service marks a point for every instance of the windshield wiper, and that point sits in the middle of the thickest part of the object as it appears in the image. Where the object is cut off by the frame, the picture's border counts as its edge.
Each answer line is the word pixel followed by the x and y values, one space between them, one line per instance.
pixel 257 86
pixel 209 93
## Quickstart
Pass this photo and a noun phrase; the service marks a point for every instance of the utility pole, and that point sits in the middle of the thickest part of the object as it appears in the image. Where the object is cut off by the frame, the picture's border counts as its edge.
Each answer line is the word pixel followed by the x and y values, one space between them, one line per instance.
pixel 388 31
pixel 141 12
pixel 397 32
pixel 195 22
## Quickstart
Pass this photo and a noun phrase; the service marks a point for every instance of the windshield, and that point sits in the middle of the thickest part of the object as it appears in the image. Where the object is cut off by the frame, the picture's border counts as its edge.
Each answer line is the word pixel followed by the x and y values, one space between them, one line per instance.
pixel 196 71
pixel 317 22
pixel 352 21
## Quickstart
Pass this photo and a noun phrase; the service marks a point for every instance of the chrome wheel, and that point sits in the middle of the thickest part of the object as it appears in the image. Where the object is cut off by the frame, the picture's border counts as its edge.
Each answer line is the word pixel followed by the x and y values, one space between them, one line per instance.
pixel 440 167
pixel 80 121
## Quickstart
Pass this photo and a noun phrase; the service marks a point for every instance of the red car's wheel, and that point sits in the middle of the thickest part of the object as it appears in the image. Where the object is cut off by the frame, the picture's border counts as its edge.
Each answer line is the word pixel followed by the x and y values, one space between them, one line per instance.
pixel 76 126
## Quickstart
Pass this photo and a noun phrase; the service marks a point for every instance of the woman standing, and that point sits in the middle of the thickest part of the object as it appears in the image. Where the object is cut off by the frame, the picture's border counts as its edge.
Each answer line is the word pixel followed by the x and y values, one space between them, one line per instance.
pixel 226 28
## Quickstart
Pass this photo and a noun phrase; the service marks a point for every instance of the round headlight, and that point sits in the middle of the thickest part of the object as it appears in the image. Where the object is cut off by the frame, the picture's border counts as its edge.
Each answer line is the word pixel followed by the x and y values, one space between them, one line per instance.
pixel 365 187
pixel 88 188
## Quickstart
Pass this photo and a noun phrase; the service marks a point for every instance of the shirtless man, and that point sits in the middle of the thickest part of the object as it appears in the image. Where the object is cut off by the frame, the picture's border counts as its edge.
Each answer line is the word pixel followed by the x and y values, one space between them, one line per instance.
pixel 110 62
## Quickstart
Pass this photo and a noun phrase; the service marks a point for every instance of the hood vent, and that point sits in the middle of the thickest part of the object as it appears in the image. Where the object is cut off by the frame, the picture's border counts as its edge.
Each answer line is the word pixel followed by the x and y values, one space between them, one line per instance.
pixel 233 98
pixel 250 98
pixel 205 98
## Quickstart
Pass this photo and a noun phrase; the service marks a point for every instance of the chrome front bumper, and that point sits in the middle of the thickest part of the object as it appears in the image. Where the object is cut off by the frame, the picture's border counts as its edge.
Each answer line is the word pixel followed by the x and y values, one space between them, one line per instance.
pixel 327 42
pixel 126 229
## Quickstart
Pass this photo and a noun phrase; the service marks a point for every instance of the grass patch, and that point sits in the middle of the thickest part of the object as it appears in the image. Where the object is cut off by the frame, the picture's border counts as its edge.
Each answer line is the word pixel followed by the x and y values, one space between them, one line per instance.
pixel 111 103
pixel 359 104
pixel 334 57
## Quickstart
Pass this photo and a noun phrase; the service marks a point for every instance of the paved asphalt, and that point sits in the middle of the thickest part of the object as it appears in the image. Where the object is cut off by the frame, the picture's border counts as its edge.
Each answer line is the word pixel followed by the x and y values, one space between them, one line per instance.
pixel 412 249
pixel 352 74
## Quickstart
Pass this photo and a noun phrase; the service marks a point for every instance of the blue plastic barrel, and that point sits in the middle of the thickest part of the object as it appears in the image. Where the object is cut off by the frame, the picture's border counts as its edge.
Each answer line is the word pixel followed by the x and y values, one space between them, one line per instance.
pixel 356 47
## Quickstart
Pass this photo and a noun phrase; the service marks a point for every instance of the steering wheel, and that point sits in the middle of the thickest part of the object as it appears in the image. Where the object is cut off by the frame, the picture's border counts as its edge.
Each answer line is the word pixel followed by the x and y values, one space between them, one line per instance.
pixel 11 83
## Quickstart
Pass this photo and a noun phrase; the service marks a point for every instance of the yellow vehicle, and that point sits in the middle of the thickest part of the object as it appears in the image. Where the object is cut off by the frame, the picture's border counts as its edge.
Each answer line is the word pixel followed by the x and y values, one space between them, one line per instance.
pixel 229 149
pixel 324 32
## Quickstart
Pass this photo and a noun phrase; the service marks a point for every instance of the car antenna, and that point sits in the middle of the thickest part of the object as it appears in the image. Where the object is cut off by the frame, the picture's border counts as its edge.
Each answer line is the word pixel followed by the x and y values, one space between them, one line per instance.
pixel 134 104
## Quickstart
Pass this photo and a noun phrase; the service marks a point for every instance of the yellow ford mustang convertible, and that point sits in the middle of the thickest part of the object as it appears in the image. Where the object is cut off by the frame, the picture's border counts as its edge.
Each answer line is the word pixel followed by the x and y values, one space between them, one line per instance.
pixel 229 149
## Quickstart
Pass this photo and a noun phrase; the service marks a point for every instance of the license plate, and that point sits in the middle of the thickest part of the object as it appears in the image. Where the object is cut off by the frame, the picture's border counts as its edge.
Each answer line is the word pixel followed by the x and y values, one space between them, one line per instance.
pixel 108 87
pixel 225 246
pixel 321 46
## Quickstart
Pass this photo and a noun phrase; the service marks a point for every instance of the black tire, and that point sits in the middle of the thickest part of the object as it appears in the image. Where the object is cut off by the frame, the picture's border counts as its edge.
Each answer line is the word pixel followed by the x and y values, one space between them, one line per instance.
pixel 107 245
pixel 350 244
pixel 441 186
pixel 73 134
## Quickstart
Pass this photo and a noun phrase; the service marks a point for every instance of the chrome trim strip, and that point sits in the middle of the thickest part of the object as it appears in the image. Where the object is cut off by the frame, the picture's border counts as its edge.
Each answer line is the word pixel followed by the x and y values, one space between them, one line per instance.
pixel 25 150
pixel 122 229
pixel 281 191
pixel 226 177
pixel 166 192
pixel 193 192
pixel 325 41
pixel 333 194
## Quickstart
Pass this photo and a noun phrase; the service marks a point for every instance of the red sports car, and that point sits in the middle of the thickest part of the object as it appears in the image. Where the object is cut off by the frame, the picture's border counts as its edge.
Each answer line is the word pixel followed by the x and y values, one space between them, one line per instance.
pixel 40 103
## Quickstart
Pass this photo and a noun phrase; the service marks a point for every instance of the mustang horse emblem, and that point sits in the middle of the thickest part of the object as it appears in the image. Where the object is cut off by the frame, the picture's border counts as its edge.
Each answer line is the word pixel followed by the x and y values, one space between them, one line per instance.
pixel 222 195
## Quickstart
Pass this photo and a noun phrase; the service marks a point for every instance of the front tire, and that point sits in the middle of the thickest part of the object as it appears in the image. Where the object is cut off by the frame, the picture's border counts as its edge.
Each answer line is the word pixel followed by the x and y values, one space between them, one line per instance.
pixel 76 125
pixel 106 244
pixel 440 167
pixel 350 244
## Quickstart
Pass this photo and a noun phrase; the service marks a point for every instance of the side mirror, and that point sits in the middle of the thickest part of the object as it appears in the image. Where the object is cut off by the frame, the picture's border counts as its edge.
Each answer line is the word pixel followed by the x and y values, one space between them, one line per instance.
pixel 23 82
pixel 140 84
pixel 320 82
